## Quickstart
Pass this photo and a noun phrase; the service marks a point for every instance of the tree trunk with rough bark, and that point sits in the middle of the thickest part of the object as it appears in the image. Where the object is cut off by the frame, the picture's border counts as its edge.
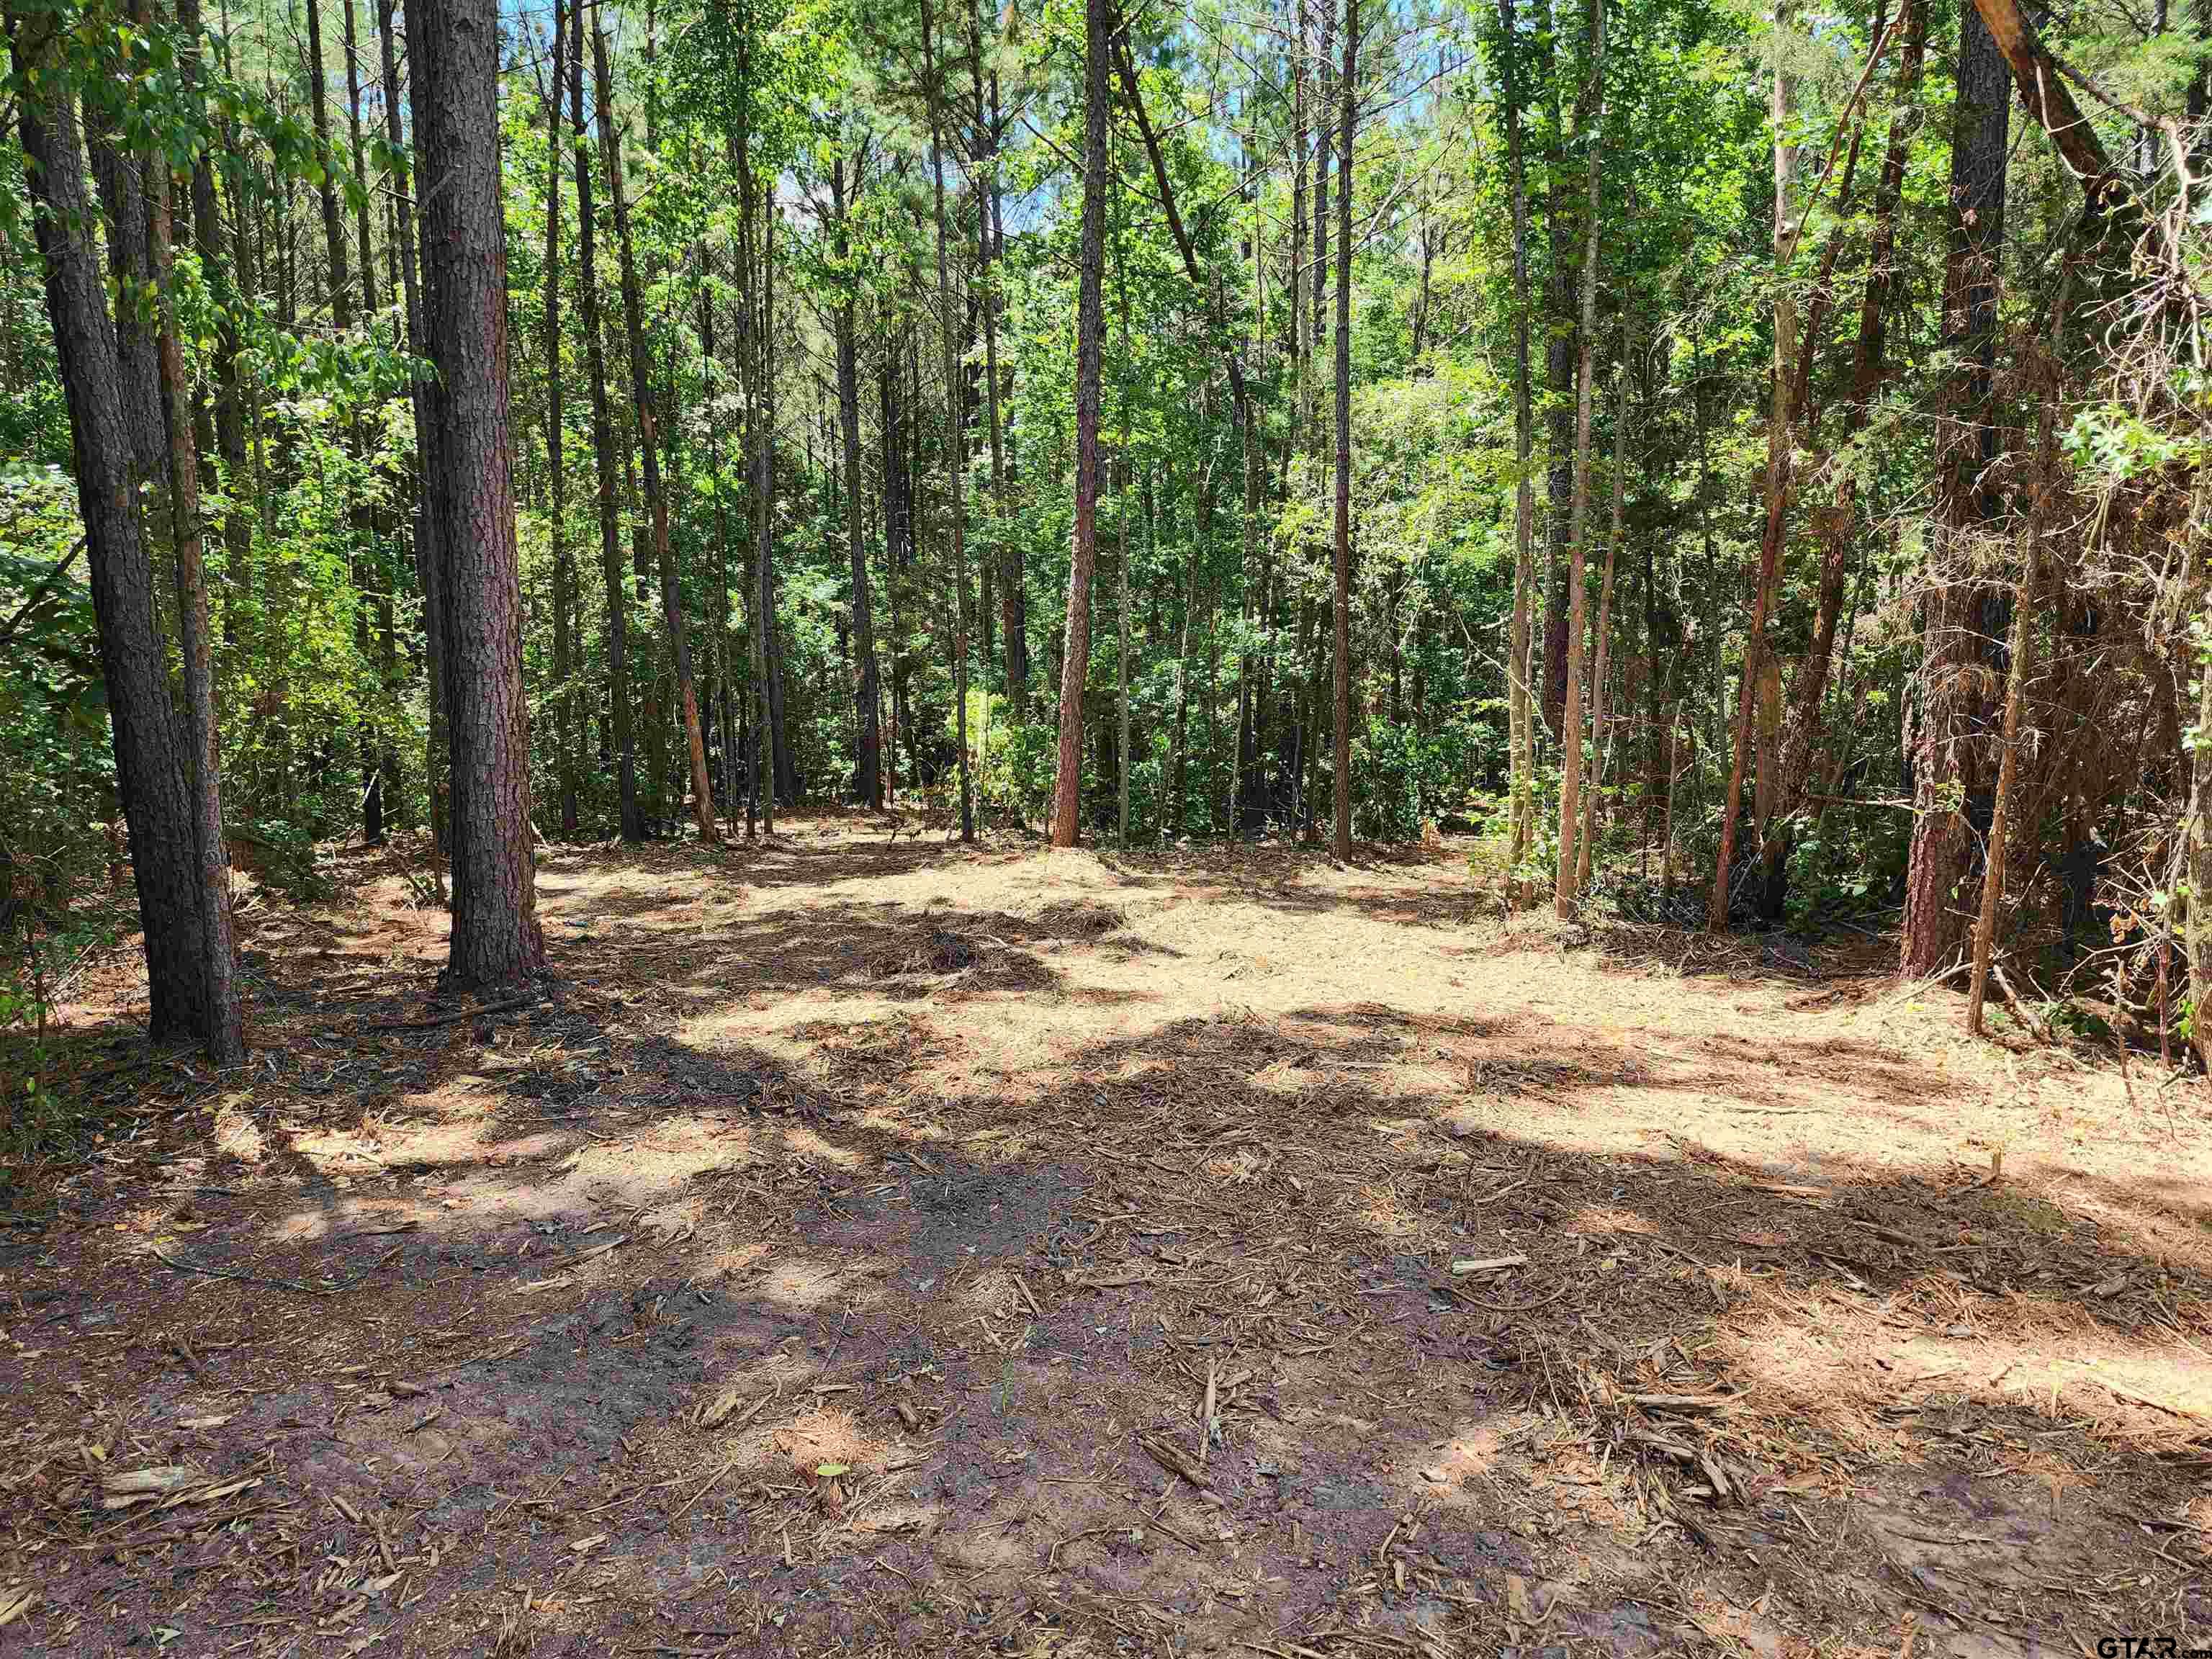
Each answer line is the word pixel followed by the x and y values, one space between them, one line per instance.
pixel 956 460
pixel 1520 716
pixel 564 568
pixel 454 45
pixel 1950 732
pixel 1570 725
pixel 149 754
pixel 1778 449
pixel 1089 340
pixel 602 449
pixel 1348 112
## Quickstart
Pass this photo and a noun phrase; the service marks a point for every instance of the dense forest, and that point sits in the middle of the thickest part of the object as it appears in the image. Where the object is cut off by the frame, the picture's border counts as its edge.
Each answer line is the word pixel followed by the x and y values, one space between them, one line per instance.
pixel 1742 467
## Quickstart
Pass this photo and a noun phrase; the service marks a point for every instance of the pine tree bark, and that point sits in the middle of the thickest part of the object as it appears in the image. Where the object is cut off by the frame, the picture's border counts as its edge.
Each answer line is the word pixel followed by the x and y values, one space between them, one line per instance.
pixel 222 1033
pixel 454 45
pixel 1089 340
pixel 619 694
pixel 648 444
pixel 564 568
pixel 867 686
pixel 149 752
pixel 1779 444
pixel 429 563
pixel 956 462
pixel 1521 720
pixel 1348 104
pixel 1563 893
pixel 1600 655
pixel 1950 735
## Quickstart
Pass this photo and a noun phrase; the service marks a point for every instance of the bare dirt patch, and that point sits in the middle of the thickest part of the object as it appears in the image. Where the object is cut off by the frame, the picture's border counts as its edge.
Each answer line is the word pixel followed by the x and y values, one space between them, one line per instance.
pixel 875 1248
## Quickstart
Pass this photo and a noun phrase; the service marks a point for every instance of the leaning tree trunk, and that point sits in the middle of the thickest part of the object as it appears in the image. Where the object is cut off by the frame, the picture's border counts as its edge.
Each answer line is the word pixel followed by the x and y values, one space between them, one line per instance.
pixel 1090 338
pixel 454 47
pixel 157 801
pixel 648 443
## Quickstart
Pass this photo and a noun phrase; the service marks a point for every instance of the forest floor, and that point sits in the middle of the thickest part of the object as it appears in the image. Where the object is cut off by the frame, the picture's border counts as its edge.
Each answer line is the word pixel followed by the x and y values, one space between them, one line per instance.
pixel 883 1247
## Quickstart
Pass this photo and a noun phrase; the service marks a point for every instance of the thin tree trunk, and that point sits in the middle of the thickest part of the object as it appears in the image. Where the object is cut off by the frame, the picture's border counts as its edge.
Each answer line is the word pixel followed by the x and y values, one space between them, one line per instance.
pixel 564 569
pixel 1778 446
pixel 1348 100
pixel 648 443
pixel 1809 691
pixel 429 561
pixel 956 465
pixel 602 449
pixel 222 1033
pixel 1570 725
pixel 2021 645
pixel 1585 858
pixel 1090 336
pixel 867 690
pixel 1121 558
pixel 1520 716
pixel 454 45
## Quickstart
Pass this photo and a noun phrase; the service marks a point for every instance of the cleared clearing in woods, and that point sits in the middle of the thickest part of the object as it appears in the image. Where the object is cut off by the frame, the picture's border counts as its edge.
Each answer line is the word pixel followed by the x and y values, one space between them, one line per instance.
pixel 889 1247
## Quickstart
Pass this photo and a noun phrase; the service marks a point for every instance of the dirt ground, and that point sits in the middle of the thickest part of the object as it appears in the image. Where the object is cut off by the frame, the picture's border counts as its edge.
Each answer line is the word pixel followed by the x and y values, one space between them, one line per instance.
pixel 870 1246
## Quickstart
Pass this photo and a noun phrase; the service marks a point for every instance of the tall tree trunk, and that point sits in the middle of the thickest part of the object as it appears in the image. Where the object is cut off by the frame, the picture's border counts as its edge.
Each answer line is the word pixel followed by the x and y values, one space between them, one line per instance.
pixel 782 773
pixel 429 560
pixel 648 443
pixel 1121 561
pixel 1950 730
pixel 1570 727
pixel 1561 329
pixel 1348 102
pixel 1779 442
pixel 156 799
pixel 1006 551
pixel 956 462
pixel 564 568
pixel 1090 337
pixel 222 1033
pixel 602 449
pixel 1520 719
pixel 867 690
pixel 1586 856
pixel 454 45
